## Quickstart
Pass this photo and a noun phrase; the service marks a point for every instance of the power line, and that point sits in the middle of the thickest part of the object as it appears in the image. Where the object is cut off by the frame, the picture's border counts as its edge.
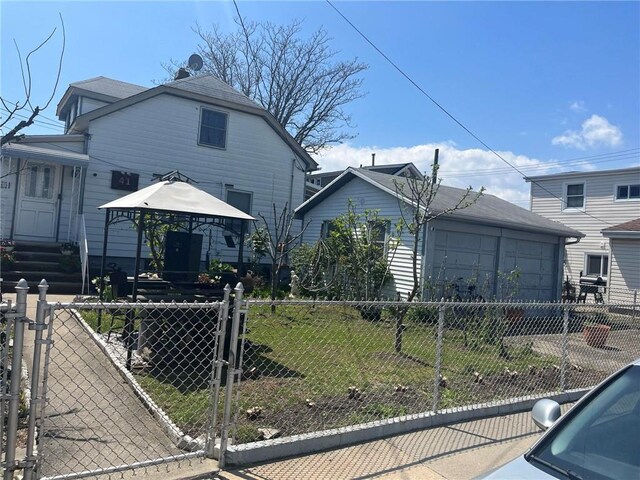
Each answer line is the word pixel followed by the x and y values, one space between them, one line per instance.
pixel 446 112
pixel 41 123
pixel 39 114
pixel 597 159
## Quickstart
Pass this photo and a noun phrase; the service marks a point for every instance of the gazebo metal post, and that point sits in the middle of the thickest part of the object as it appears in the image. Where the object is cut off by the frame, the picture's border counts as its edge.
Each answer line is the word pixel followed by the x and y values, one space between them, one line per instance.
pixel 103 264
pixel 241 249
pixel 128 329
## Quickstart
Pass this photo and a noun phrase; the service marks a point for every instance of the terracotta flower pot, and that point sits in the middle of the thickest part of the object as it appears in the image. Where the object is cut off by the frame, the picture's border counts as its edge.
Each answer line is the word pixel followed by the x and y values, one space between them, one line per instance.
pixel 596 335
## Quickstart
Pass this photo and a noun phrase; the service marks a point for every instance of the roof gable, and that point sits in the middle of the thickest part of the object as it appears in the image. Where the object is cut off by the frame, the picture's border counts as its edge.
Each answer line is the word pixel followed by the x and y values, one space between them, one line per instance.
pixel 205 89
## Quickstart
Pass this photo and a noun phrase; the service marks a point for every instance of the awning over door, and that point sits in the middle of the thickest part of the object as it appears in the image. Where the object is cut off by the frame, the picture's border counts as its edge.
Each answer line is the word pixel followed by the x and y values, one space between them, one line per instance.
pixel 50 155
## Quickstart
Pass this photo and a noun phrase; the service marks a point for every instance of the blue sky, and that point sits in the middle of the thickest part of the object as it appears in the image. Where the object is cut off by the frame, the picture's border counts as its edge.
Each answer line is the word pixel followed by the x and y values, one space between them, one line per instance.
pixel 541 82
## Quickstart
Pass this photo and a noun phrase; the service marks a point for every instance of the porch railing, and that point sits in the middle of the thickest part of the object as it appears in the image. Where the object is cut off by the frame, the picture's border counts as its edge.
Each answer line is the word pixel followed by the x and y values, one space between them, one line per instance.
pixel 84 253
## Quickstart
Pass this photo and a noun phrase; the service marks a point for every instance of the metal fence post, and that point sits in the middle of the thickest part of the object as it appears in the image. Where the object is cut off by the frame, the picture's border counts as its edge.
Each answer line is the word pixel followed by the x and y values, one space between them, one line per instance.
pixel 38 326
pixel 16 367
pixel 438 366
pixel 635 303
pixel 218 362
pixel 231 372
pixel 565 349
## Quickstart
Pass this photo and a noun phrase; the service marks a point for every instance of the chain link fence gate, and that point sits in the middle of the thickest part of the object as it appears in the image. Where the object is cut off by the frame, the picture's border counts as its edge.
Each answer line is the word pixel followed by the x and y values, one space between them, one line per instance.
pixel 116 386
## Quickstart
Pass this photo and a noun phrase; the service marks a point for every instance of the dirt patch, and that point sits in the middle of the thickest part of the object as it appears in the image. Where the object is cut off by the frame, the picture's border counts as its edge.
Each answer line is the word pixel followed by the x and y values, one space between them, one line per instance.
pixel 397 400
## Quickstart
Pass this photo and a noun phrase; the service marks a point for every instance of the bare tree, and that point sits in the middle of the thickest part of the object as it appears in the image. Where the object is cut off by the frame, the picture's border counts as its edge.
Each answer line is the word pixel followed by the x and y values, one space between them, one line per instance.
pixel 416 196
pixel 275 240
pixel 24 107
pixel 298 80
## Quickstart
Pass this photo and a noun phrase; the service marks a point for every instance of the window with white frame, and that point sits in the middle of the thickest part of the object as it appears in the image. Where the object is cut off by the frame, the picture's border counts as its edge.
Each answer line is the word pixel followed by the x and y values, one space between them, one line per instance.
pixel 574 195
pixel 597 265
pixel 213 128
pixel 628 192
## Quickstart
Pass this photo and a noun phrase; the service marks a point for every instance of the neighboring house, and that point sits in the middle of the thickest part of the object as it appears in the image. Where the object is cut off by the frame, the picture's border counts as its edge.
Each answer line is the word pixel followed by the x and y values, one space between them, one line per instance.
pixel 590 202
pixel 118 136
pixel 476 243
pixel 624 261
pixel 318 180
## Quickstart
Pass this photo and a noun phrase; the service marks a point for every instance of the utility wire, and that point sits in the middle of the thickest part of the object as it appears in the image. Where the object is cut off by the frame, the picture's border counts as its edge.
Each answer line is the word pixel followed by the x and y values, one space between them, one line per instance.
pixel 42 123
pixel 447 113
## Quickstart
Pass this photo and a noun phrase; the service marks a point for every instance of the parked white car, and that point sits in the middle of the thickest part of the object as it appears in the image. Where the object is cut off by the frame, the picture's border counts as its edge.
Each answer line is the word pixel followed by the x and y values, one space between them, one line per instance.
pixel 598 438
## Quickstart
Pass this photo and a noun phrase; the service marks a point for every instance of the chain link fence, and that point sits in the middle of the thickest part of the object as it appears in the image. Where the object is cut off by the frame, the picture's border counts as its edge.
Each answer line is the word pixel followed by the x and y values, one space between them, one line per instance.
pixel 128 385
pixel 123 386
pixel 310 366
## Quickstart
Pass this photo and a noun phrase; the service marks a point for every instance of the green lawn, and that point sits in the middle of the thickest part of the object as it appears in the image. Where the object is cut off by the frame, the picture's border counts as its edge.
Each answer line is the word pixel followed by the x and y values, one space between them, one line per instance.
pixel 303 362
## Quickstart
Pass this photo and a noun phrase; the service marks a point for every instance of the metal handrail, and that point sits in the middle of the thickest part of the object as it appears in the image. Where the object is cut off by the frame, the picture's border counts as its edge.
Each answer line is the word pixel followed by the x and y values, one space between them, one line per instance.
pixel 84 253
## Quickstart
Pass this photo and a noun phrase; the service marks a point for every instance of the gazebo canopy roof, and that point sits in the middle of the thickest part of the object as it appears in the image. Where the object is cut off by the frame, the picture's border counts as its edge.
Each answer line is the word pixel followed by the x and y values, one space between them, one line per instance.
pixel 174 196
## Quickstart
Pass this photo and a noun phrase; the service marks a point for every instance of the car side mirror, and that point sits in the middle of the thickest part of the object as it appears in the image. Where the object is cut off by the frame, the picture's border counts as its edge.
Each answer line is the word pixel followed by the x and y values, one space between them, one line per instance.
pixel 545 413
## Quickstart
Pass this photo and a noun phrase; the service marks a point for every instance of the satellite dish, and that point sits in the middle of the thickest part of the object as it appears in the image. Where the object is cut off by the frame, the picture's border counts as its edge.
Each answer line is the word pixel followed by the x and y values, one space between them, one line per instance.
pixel 195 62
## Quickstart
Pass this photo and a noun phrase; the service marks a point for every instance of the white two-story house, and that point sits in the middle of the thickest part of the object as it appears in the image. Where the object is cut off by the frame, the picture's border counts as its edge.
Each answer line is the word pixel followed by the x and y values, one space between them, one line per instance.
pixel 119 136
pixel 590 202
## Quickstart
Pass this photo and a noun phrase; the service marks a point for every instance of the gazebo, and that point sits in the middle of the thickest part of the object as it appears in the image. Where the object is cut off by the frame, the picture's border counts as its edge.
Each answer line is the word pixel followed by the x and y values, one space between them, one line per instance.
pixel 172 200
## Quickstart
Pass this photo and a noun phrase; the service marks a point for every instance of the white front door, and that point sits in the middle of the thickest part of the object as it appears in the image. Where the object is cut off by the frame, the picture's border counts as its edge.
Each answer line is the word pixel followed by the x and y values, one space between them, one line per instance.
pixel 37 210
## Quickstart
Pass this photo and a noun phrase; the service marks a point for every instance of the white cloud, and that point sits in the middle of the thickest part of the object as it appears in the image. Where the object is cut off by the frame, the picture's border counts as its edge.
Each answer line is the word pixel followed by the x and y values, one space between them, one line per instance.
pixel 596 131
pixel 458 167
pixel 578 106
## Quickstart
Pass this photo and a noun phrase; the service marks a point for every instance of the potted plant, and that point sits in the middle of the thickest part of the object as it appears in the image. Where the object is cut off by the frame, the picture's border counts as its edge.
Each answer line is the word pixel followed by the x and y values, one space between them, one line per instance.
pixel 596 334
pixel 70 264
pixel 7 246
pixel 69 248
pixel 7 259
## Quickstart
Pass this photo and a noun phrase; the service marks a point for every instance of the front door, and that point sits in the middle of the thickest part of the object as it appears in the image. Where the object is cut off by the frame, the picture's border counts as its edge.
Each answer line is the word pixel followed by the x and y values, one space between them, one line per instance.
pixel 37 210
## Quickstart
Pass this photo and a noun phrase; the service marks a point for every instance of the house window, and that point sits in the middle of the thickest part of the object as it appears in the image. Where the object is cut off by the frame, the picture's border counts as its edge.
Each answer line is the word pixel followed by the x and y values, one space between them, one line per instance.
pixel 242 201
pixel 574 197
pixel 213 128
pixel 378 232
pixel 628 192
pixel 326 228
pixel 597 265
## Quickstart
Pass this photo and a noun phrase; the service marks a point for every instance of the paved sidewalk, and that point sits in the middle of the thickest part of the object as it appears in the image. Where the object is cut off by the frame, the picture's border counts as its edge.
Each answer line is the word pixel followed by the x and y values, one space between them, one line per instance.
pixel 454 452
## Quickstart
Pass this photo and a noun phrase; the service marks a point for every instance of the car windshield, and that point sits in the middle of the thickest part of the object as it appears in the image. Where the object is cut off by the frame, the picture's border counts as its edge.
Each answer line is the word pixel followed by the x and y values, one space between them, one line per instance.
pixel 602 439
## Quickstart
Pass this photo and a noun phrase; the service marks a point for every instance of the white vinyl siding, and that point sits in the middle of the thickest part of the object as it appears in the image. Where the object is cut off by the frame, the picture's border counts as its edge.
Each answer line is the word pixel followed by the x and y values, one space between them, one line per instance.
pixel 159 135
pixel 624 276
pixel 368 197
pixel 601 211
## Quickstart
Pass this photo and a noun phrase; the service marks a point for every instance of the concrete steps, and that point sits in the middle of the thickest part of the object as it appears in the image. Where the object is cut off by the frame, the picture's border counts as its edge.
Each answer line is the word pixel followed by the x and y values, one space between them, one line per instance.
pixel 35 261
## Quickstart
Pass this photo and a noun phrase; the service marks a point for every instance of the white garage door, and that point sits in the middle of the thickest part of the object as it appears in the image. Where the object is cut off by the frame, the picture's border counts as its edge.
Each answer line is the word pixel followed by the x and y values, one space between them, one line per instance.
pixel 468 255
pixel 536 262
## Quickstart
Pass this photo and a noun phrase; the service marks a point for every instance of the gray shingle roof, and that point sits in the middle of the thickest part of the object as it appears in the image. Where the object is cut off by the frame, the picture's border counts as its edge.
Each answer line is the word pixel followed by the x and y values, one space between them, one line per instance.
pixel 488 210
pixel 109 86
pixel 212 87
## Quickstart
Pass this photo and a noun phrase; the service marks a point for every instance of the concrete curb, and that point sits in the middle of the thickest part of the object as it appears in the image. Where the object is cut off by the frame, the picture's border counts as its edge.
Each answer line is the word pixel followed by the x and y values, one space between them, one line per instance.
pixel 294 445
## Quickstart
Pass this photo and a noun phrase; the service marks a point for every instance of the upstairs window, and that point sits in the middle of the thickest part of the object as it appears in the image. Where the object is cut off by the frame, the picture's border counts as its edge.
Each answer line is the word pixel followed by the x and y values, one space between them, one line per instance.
pixel 213 128
pixel 628 192
pixel 574 197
